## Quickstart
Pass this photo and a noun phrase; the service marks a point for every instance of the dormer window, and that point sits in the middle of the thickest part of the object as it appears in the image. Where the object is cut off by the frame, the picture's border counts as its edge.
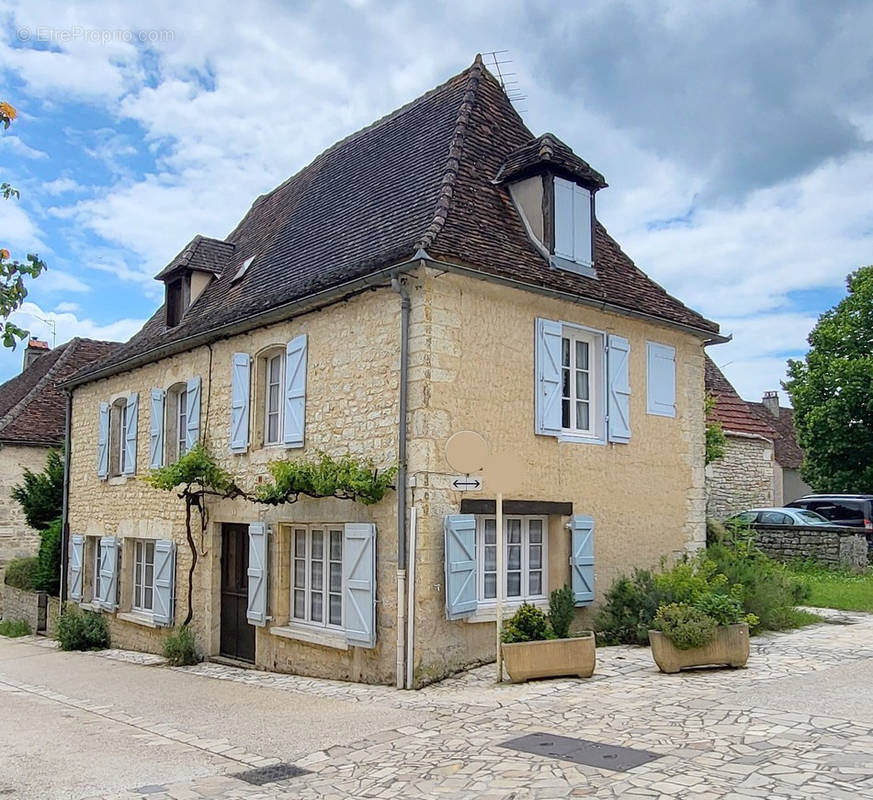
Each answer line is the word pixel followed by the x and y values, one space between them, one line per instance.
pixel 178 299
pixel 573 230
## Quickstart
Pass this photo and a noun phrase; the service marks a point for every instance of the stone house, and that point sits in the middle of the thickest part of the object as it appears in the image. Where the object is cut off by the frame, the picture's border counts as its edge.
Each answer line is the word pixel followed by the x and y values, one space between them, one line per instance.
pixel 32 419
pixel 440 270
pixel 788 484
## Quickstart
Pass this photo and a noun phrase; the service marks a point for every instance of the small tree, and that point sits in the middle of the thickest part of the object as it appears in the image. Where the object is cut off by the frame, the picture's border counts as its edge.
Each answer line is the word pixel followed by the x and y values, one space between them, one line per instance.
pixel 832 393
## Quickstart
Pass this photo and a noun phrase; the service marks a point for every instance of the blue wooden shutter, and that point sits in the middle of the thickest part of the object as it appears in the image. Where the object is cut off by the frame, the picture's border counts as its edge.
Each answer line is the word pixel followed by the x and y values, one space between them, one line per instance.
pixel 108 572
pixel 582 240
pixel 295 391
pixel 103 442
pixel 165 582
pixel 661 379
pixel 618 398
pixel 77 552
pixel 460 555
pixel 359 583
pixel 564 222
pixel 256 612
pixel 582 559
pixel 240 392
pixel 156 430
pixel 130 434
pixel 192 432
pixel 548 377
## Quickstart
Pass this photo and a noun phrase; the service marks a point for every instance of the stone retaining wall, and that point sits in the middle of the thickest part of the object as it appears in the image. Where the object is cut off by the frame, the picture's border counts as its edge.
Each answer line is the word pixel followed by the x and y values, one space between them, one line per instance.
pixel 19 604
pixel 830 545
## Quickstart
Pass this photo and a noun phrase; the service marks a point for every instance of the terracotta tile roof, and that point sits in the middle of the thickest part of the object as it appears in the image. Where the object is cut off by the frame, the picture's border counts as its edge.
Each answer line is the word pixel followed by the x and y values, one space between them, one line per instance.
pixel 32 407
pixel 786 449
pixel 422 177
pixel 734 413
pixel 548 150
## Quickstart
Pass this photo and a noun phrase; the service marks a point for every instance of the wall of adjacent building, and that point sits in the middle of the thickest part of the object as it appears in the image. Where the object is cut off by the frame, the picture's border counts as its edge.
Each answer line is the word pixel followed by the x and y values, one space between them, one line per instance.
pixel 792 484
pixel 472 368
pixel 745 477
pixel 17 538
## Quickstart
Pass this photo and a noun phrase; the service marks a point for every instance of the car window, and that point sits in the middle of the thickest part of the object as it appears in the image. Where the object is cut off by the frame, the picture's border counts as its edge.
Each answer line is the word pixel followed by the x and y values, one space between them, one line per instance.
pixel 811 516
pixel 744 518
pixel 774 518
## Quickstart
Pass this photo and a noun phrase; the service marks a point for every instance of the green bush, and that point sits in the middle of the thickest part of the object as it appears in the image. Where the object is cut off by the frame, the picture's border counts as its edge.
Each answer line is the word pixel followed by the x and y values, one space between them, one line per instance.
pixel 562 607
pixel 48 573
pixel 21 573
pixel 79 630
pixel 41 496
pixel 180 647
pixel 725 609
pixel 14 628
pixel 684 625
pixel 528 624
pixel 629 609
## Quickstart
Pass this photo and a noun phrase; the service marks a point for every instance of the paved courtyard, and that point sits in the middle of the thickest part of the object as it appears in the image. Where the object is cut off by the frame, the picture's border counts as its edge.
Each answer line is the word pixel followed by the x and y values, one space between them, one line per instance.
pixel 797 723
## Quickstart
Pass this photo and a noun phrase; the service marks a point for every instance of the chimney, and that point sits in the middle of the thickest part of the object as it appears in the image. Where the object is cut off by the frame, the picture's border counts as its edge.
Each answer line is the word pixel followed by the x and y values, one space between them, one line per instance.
pixel 771 402
pixel 35 348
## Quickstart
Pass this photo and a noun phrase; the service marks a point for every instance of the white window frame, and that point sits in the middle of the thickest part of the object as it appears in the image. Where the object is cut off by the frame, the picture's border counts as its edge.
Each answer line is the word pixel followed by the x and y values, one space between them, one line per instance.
pixel 95 575
pixel 326 561
pixel 181 414
pixel 525 596
pixel 269 358
pixel 140 563
pixel 596 341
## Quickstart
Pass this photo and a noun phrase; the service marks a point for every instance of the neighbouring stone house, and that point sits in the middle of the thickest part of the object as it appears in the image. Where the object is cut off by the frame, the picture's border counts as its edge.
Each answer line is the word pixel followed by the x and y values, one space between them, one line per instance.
pixel 440 270
pixel 788 484
pixel 32 420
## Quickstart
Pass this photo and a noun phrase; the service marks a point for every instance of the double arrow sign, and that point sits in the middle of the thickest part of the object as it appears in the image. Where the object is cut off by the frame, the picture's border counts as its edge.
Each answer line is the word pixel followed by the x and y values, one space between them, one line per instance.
pixel 466 483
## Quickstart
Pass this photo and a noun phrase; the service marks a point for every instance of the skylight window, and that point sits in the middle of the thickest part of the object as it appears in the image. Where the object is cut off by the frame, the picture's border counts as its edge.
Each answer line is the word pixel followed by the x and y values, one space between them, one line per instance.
pixel 243 269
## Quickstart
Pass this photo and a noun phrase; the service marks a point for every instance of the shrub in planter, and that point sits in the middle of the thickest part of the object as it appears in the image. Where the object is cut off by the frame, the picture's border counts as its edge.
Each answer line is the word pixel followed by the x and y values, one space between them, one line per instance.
pixel 629 608
pixel 77 630
pixel 527 624
pixel 684 625
pixel 180 648
pixel 21 573
pixel 562 608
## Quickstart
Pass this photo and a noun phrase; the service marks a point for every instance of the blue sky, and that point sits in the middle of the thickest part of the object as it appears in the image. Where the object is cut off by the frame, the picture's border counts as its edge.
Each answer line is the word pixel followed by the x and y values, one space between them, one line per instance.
pixel 735 136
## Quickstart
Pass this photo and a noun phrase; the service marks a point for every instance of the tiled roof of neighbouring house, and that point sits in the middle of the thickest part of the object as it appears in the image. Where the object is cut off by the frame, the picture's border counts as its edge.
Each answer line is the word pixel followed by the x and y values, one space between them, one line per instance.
pixel 730 409
pixel 786 449
pixel 422 177
pixel 32 407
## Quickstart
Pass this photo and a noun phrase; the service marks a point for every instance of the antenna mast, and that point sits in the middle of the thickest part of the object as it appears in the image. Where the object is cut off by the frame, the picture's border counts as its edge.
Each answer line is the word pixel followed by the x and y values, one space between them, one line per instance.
pixel 498 60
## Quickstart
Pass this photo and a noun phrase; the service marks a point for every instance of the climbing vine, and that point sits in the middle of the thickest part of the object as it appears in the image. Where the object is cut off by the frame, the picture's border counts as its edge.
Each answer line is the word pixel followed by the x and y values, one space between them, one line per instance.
pixel 196 476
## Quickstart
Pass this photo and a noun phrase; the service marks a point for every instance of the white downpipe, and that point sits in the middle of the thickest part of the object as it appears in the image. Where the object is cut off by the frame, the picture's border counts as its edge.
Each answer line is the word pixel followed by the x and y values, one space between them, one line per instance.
pixel 401 622
pixel 410 596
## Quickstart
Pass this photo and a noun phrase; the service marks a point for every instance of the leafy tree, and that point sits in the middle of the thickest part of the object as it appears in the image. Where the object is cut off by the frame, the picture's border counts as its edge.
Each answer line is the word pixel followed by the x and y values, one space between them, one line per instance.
pixel 41 496
pixel 832 393
pixel 12 271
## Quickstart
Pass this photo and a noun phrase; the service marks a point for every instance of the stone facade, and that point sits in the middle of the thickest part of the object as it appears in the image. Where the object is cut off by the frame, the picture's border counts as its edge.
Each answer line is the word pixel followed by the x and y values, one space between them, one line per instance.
pixel 17 538
pixel 743 478
pixel 18 604
pixel 471 366
pixel 835 546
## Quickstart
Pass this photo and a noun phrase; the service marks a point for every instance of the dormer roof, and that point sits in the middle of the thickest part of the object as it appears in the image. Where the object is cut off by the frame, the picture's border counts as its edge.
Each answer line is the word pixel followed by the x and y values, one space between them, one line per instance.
pixel 202 253
pixel 549 153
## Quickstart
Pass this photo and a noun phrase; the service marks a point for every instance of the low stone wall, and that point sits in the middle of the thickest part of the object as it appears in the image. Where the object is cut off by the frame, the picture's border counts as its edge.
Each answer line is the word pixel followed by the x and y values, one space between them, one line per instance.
pixel 830 545
pixel 19 604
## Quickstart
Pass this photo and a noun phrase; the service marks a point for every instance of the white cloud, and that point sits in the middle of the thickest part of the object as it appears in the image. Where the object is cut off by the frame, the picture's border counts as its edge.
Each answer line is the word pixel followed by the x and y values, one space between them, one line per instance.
pixel 67 307
pixel 56 280
pixel 60 186
pixel 12 145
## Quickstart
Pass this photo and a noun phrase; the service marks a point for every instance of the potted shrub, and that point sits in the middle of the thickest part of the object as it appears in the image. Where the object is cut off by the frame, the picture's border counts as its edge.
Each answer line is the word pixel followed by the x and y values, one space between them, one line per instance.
pixel 537 646
pixel 711 631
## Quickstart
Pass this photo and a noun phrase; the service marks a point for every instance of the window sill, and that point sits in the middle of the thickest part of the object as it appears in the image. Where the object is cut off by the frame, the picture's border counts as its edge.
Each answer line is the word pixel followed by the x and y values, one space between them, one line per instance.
pixel 577 438
pixel 333 639
pixel 488 613
pixel 91 607
pixel 118 480
pixel 137 618
pixel 579 267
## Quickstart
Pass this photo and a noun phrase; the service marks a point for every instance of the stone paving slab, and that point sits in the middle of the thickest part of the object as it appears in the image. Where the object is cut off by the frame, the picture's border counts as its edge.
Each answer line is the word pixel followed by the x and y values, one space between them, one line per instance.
pixel 712 745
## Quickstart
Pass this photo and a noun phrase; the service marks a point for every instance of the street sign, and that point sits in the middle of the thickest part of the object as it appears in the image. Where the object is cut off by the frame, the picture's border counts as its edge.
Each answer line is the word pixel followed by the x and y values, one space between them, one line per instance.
pixel 466 483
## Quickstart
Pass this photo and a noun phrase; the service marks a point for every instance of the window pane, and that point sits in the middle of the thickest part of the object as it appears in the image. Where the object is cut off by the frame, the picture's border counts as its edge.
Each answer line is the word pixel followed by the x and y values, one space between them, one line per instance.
pixel 582 416
pixel 300 572
pixel 336 609
pixel 536 556
pixel 581 355
pixel 275 366
pixel 317 609
pixel 513 584
pixel 565 383
pixel 536 583
pixel 535 528
pixel 317 573
pixel 565 413
pixel 490 531
pixel 513 531
pixel 336 577
pixel 581 385
pixel 300 543
pixel 147 597
pixel 565 352
pixel 273 428
pixel 490 558
pixel 336 545
pixel 490 585
pixel 513 560
pixel 299 604
pixel 317 545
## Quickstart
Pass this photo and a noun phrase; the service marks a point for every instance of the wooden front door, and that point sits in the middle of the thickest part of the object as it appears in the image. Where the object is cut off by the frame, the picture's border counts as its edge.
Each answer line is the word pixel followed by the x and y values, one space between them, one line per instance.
pixel 237 636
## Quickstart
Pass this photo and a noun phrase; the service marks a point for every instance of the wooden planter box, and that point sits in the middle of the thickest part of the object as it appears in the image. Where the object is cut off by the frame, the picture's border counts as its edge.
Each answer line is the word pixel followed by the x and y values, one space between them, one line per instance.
pixel 729 647
pixel 552 658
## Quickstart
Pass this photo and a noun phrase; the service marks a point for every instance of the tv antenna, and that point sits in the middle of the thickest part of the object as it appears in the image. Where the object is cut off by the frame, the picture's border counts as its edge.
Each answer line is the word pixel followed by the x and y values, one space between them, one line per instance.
pixel 498 60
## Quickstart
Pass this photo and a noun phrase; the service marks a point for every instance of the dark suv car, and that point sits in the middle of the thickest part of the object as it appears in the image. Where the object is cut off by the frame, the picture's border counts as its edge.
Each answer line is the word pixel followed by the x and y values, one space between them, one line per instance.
pixel 853 510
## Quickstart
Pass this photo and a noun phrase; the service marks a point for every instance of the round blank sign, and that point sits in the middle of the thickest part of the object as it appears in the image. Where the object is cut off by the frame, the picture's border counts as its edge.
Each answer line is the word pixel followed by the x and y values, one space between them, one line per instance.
pixel 467 451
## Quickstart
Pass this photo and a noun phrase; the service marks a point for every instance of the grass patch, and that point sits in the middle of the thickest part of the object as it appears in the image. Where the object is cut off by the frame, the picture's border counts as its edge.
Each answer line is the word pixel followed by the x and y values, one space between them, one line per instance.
pixel 14 628
pixel 836 588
